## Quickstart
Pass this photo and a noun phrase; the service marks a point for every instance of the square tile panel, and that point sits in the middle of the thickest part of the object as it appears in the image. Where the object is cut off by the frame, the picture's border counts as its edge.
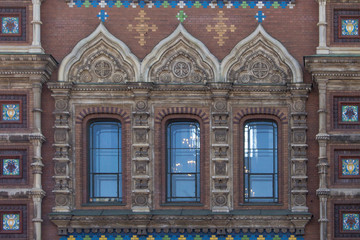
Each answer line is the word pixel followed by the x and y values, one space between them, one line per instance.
pixel 350 166
pixel 349 113
pixel 350 27
pixel 11 112
pixel 11 222
pixel 11 167
pixel 350 222
pixel 10 25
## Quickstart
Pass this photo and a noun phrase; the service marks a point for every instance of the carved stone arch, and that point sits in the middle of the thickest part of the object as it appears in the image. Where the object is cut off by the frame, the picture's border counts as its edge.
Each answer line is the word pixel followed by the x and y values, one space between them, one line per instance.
pixel 180 58
pixel 260 59
pixel 100 57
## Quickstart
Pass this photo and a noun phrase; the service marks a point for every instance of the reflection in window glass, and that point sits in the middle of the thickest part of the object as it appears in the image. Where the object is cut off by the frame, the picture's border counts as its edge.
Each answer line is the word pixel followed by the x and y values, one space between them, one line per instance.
pixel 261 161
pixel 183 162
pixel 105 170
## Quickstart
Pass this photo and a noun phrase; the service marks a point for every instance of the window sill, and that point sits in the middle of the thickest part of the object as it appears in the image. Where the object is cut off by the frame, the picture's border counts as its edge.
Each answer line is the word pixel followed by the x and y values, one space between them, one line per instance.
pixel 103 204
pixel 260 204
pixel 185 204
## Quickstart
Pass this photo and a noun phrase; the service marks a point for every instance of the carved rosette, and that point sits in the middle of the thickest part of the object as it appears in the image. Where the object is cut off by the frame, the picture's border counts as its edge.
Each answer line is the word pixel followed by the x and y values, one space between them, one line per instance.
pixel 298 149
pixel 260 67
pixel 63 181
pixel 181 64
pixel 220 194
pixel 101 64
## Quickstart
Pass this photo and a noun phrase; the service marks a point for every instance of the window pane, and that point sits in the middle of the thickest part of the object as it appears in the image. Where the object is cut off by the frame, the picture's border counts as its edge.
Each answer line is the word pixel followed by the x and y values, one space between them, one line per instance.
pixel 184 160
pixel 105 185
pixel 106 161
pixel 183 156
pixel 261 186
pixel 260 156
pixel 106 135
pixel 183 185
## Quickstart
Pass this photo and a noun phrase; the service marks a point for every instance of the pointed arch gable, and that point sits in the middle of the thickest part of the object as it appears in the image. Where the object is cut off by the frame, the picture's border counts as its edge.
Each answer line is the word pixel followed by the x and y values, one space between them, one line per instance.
pixel 180 50
pixel 261 44
pixel 114 50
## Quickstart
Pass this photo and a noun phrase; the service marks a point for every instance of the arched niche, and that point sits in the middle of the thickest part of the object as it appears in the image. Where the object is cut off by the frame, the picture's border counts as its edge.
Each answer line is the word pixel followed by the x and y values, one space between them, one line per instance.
pixel 180 58
pixel 260 59
pixel 100 58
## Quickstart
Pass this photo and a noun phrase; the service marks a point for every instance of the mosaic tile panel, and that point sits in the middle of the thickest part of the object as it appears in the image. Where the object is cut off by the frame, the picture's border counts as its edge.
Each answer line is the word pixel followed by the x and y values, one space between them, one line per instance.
pixel 350 167
pixel 11 167
pixel 11 222
pixel 11 112
pixel 349 113
pixel 13 24
pixel 346 25
pixel 346 221
pixel 350 222
pixel 242 236
pixel 345 112
pixel 10 25
pixel 349 27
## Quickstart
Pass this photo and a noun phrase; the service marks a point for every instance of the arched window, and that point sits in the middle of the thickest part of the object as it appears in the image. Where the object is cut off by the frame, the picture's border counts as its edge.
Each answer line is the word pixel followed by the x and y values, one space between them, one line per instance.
pixel 105 163
pixel 183 161
pixel 261 161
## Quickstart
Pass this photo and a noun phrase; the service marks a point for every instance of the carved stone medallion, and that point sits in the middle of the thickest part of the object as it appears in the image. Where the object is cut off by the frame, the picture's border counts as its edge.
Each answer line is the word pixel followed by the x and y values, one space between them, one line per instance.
pixel 299 106
pixel 118 78
pixel 102 69
pixel 220 200
pixel 181 69
pixel 61 104
pixel 86 77
pixel 260 69
pixel 140 200
pixel 61 200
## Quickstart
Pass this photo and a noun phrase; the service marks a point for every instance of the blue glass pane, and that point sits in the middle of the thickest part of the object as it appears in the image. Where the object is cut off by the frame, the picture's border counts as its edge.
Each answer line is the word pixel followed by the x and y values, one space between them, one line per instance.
pixel 106 135
pixel 261 136
pixel 184 160
pixel 184 135
pixel 261 186
pixel 105 185
pixel 260 161
pixel 106 161
pixel 183 185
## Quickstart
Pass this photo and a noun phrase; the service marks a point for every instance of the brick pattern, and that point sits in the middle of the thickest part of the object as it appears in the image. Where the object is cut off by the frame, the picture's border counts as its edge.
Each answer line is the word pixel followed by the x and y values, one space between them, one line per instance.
pixel 102 110
pixel 257 111
pixel 181 110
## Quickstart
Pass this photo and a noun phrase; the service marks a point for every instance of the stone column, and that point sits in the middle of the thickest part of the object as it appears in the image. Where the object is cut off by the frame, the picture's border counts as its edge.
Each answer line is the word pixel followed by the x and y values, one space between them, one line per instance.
pixel 141 178
pixel 322 48
pixel 36 43
pixel 322 137
pixel 63 182
pixel 299 94
pixel 221 182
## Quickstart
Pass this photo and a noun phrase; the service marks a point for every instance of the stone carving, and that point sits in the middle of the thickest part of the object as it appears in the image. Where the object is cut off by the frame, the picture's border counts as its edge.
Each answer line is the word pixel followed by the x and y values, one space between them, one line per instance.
pixel 181 69
pixel 300 200
pixel 262 66
pixel 61 104
pixel 60 168
pixel 141 183
pixel 220 135
pixel 299 106
pixel 140 200
pixel 299 137
pixel 220 105
pixel 140 167
pixel 60 135
pixel 220 200
pixel 141 105
pixel 141 135
pixel 181 64
pixel 141 152
pixel 102 69
pixel 220 168
pixel 86 77
pixel 220 184
pixel 101 64
pixel 61 200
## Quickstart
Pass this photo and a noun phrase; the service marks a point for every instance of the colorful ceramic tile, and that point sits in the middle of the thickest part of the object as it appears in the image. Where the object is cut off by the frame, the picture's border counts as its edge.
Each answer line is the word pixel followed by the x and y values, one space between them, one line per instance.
pixel 11 222
pixel 11 112
pixel 350 222
pixel 350 27
pixel 350 167
pixel 10 25
pixel 349 113
pixel 11 167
